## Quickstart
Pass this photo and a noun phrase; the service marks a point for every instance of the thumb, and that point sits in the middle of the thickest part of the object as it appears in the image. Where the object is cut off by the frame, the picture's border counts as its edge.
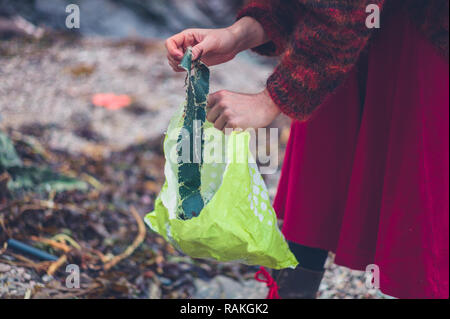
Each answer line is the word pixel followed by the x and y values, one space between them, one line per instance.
pixel 202 48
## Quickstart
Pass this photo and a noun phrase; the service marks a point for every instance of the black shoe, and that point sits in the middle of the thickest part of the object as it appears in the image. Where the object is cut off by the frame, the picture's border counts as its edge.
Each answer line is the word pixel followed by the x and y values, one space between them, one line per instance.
pixel 298 283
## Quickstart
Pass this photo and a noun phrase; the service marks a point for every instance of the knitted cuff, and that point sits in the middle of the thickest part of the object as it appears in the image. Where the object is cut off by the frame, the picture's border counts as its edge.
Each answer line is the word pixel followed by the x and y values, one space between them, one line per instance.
pixel 262 14
pixel 291 101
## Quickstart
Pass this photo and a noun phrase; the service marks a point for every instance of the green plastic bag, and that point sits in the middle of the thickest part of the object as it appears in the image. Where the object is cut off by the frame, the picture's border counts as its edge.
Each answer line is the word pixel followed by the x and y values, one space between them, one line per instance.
pixel 232 218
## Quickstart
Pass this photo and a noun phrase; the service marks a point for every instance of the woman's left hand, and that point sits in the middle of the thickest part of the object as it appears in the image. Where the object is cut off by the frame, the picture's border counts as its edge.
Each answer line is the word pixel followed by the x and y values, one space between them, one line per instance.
pixel 241 111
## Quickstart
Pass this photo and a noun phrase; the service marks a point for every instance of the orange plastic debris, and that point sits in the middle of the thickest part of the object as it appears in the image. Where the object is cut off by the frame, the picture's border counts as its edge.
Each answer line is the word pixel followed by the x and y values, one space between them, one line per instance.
pixel 111 101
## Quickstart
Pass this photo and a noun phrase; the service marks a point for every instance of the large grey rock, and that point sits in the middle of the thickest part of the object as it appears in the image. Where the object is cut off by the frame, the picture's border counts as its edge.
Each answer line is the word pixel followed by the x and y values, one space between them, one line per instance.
pixel 118 18
pixel 222 287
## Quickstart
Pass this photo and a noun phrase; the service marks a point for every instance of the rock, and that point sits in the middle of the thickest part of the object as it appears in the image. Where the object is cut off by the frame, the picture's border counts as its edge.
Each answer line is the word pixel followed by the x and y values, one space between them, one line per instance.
pixel 15 281
pixel 148 18
pixel 5 267
pixel 154 292
pixel 222 287
pixel 47 278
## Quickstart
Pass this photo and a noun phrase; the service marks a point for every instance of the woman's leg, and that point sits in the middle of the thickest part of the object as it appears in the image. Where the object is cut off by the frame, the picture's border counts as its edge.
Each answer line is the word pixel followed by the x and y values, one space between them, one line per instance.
pixel 302 282
pixel 308 257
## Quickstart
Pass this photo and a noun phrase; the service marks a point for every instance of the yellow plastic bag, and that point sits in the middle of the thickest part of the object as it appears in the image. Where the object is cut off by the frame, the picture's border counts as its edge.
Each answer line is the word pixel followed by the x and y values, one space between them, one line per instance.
pixel 235 221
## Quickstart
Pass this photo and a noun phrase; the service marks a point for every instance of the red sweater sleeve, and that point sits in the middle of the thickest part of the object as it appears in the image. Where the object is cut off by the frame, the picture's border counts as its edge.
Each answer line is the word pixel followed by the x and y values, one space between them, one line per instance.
pixel 278 18
pixel 325 44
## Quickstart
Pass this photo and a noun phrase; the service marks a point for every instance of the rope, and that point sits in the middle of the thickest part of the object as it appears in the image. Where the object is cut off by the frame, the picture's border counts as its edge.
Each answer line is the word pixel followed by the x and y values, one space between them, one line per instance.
pixel 269 281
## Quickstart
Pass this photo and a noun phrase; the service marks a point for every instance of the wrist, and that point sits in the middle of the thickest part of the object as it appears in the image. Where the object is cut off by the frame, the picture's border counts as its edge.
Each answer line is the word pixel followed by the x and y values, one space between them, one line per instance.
pixel 271 107
pixel 248 33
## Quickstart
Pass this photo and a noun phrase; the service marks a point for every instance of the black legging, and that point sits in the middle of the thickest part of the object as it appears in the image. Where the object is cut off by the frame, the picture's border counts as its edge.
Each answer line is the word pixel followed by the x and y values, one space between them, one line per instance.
pixel 309 258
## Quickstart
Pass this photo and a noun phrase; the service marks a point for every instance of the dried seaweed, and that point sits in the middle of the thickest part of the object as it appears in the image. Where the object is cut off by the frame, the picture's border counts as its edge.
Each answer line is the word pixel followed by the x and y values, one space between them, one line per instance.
pixel 31 178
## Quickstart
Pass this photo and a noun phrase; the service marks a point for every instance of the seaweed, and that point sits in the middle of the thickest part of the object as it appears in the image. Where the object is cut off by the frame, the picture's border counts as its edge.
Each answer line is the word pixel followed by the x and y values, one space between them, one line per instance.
pixel 190 141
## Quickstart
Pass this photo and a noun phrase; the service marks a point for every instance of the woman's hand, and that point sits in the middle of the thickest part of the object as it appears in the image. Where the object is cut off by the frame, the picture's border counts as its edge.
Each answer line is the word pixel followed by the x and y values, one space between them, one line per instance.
pixel 238 110
pixel 215 46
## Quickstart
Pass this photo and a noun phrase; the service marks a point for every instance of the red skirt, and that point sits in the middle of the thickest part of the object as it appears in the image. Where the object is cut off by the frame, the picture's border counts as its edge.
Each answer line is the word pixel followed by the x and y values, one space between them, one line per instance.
pixel 370 181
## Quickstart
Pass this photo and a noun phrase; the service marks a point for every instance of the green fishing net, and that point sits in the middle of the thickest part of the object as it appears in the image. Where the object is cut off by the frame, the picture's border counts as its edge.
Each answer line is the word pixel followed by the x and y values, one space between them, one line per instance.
pixel 214 203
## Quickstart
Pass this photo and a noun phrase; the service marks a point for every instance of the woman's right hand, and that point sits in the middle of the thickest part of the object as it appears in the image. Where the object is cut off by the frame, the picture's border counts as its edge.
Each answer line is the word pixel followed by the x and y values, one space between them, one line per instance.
pixel 215 46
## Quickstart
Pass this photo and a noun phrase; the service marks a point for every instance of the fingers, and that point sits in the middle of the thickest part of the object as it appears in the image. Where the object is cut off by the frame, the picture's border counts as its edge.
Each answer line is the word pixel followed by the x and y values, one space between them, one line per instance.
pixel 212 98
pixel 202 48
pixel 177 45
pixel 218 112
pixel 174 46
pixel 213 114
pixel 221 122
pixel 174 64
pixel 214 109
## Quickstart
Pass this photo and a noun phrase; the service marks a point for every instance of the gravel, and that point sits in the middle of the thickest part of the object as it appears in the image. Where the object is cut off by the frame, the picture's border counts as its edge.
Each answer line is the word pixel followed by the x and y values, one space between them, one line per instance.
pixel 338 283
pixel 54 85
pixel 17 282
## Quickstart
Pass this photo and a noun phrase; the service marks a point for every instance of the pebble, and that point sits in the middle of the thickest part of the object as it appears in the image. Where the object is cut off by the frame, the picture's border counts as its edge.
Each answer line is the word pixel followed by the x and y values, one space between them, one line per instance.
pixel 47 278
pixel 5 267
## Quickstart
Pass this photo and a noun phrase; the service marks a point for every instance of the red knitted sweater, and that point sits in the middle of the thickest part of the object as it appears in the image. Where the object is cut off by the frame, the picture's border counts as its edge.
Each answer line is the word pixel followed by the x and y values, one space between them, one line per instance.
pixel 320 41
